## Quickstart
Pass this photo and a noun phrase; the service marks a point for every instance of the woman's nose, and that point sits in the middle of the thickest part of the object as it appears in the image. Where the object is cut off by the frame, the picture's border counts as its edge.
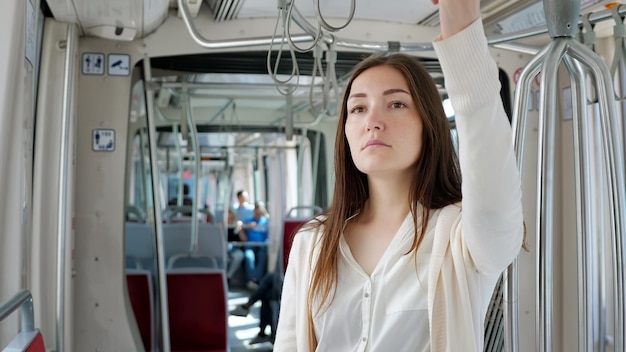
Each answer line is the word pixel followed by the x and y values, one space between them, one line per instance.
pixel 374 121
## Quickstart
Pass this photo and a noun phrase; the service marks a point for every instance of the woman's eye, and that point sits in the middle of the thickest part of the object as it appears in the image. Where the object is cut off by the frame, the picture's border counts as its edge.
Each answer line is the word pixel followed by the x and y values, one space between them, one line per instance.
pixel 356 110
pixel 397 105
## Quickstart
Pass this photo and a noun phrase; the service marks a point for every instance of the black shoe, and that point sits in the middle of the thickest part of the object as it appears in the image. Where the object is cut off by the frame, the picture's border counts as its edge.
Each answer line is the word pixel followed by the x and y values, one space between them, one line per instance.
pixel 260 339
pixel 252 285
pixel 240 311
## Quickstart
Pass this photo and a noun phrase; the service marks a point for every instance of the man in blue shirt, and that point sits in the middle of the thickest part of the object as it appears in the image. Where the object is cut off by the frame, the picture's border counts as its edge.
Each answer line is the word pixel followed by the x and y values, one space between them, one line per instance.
pixel 254 230
pixel 244 209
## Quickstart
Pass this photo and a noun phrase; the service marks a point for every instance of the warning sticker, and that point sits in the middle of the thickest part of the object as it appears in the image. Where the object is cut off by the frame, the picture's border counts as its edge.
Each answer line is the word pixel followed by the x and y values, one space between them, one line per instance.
pixel 119 65
pixel 103 140
pixel 93 64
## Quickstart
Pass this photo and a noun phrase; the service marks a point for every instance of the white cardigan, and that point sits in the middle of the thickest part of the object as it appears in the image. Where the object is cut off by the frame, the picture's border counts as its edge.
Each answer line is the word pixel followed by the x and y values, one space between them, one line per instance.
pixel 468 244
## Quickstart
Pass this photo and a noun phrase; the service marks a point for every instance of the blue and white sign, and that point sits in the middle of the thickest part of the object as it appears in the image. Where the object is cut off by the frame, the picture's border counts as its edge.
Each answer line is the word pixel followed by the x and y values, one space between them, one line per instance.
pixel 93 64
pixel 103 140
pixel 119 65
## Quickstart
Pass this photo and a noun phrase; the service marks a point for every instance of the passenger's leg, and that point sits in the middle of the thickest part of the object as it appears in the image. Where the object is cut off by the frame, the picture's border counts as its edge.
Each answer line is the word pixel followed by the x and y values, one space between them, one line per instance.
pixel 236 258
pixel 250 261
pixel 260 264
pixel 265 320
pixel 265 290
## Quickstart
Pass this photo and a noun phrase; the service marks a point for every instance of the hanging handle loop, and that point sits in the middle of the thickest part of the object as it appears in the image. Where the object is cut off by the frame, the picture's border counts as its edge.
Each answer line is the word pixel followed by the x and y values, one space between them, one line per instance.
pixel 619 33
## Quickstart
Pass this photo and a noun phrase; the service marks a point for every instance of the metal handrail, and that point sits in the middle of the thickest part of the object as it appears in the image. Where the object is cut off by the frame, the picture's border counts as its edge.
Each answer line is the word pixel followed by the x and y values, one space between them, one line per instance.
pixel 65 165
pixel 158 226
pixel 310 31
pixel 24 301
pixel 562 17
pixel 314 208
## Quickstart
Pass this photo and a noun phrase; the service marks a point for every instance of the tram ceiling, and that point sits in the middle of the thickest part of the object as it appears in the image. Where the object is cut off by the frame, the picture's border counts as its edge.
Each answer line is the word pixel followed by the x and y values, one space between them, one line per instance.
pixel 219 149
pixel 133 19
pixel 218 83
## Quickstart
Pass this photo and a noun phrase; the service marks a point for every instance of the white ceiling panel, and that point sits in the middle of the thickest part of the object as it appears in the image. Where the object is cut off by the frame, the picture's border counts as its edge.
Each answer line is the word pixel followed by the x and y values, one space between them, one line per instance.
pixel 403 11
pixel 112 19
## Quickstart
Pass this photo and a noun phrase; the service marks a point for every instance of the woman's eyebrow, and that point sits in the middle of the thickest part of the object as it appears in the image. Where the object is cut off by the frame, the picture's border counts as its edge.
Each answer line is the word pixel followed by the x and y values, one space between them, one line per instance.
pixel 395 90
pixel 387 92
pixel 357 95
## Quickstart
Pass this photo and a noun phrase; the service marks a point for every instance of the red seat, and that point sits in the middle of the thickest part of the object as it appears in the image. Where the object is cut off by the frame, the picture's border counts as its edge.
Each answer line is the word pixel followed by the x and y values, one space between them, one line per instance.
pixel 292 224
pixel 140 294
pixel 37 345
pixel 290 229
pixel 28 341
pixel 198 312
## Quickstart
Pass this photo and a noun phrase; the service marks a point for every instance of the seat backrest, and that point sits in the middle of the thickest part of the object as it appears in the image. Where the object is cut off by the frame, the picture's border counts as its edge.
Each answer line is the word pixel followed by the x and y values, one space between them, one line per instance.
pixel 135 214
pixel 291 227
pixel 176 238
pixel 295 218
pixel 188 261
pixel 140 294
pixel 37 345
pixel 139 240
pixel 212 243
pixel 198 315
pixel 177 212
pixel 26 341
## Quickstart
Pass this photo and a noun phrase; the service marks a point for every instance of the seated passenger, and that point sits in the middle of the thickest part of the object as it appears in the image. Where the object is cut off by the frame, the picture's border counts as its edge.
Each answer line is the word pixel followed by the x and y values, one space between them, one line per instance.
pixel 244 209
pixel 255 230
pixel 185 201
pixel 235 254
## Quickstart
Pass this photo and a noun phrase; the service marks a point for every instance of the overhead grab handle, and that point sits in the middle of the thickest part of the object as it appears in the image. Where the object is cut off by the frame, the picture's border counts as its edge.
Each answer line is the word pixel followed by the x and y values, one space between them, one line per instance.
pixel 282 84
pixel 326 25
pixel 318 52
pixel 589 33
pixel 588 38
pixel 329 80
pixel 619 33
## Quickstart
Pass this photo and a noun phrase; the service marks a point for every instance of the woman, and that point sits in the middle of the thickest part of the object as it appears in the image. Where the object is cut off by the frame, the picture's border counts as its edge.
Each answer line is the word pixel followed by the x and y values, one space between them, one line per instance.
pixel 400 261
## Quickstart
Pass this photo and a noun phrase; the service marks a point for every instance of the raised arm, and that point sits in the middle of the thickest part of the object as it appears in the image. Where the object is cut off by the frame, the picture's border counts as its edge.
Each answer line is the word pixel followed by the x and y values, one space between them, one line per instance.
pixel 492 210
pixel 456 15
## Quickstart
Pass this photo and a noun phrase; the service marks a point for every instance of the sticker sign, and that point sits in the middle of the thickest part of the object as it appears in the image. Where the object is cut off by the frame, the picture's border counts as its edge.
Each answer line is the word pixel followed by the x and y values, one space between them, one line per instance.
pixel 103 140
pixel 119 65
pixel 93 64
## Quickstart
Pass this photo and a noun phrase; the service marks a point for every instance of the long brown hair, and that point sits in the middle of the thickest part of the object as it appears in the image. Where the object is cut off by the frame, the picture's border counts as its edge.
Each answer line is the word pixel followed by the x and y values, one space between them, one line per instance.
pixel 436 176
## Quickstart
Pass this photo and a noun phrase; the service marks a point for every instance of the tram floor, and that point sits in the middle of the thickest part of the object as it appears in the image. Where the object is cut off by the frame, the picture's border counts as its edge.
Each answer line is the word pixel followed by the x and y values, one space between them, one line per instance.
pixel 241 330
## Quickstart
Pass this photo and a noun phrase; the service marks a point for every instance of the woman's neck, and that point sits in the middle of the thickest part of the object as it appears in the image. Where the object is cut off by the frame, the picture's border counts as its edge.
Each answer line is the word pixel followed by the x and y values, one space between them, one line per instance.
pixel 387 200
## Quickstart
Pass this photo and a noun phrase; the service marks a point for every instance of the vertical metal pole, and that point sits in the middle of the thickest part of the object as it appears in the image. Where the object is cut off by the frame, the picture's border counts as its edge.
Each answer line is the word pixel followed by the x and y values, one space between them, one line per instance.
pixel 179 164
pixel 584 220
pixel 614 157
pixel 591 250
pixel 195 144
pixel 520 115
pixel 316 161
pixel 154 166
pixel 545 183
pixel 65 162
pixel 289 120
pixel 142 177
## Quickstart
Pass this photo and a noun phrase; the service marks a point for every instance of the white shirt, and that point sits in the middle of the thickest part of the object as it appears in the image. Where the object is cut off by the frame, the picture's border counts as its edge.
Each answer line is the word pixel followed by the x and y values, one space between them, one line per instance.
pixel 377 303
pixel 439 304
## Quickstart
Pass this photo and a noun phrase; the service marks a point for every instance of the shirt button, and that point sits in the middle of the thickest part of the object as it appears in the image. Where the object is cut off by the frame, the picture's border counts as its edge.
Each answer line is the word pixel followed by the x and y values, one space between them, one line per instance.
pixel 364 339
pixel 367 295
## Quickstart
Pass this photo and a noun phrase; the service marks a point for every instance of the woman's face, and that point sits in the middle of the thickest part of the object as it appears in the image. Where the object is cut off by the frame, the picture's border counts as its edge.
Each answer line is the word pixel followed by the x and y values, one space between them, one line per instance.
pixel 383 128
